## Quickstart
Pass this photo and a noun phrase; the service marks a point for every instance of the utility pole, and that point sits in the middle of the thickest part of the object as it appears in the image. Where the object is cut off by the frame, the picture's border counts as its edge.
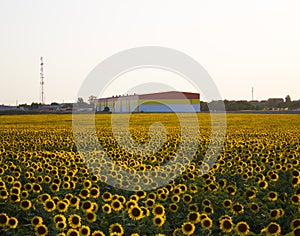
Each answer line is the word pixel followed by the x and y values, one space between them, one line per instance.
pixel 42 99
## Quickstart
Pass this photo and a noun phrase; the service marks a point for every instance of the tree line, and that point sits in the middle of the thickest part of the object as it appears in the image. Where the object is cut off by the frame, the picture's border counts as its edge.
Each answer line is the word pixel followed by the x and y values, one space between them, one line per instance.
pixel 270 104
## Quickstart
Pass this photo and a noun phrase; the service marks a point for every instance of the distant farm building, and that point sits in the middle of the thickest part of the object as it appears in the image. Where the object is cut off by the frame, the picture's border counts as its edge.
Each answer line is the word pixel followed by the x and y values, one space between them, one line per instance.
pixel 172 101
pixel 48 108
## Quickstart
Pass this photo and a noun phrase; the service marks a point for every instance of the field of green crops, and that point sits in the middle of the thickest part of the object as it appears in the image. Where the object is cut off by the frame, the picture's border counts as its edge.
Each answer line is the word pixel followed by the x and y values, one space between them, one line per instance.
pixel 47 187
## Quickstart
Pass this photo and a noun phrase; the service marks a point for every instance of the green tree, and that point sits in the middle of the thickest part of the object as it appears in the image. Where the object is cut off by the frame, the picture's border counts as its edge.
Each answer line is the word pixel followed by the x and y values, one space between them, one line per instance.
pixel 80 100
pixel 92 100
pixel 288 99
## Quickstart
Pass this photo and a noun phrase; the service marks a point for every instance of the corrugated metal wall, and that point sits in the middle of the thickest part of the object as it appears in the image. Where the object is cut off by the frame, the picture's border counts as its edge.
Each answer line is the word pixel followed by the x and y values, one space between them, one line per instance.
pixel 156 102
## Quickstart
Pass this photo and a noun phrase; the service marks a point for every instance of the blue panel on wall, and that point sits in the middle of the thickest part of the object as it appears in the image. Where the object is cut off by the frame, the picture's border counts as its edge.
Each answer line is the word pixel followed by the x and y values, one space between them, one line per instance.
pixel 169 108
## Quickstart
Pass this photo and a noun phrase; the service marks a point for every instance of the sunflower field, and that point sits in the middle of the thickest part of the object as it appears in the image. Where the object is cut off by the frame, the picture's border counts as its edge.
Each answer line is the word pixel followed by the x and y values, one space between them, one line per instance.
pixel 47 187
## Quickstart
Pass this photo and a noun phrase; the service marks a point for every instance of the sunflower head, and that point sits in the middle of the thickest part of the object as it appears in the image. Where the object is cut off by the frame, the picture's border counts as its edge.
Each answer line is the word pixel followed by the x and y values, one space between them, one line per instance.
pixel 188 228
pixel 226 225
pixel 41 229
pixel 116 228
pixel 242 228
pixel 135 213
pixel 273 229
pixel 3 219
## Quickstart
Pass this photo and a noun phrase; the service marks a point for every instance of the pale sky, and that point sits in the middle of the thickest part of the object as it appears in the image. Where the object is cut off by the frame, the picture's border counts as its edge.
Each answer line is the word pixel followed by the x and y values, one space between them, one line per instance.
pixel 240 43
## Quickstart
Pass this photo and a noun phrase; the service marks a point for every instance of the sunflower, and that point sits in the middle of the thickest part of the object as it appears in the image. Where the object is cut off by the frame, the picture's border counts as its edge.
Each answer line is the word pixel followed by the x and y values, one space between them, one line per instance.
pixel 60 225
pixel 254 207
pixel 158 210
pixel 158 221
pixel 146 212
pixel 175 198
pixel 95 207
pixel 225 217
pixel 183 187
pixel 106 196
pixel 281 212
pixel 226 225
pixel 43 197
pixel 84 193
pixel 242 228
pixel 295 223
pixel 231 189
pixel 40 179
pixel 14 198
pixel 74 202
pixel 135 213
pixel 62 206
pixel 275 214
pixel 150 202
pixel 114 234
pixel 141 194
pixel 206 202
pixel 116 228
pixel 263 184
pixel 193 207
pixel 91 216
pixel 272 196
pixel 162 197
pixel 47 179
pixel 152 196
pixel 41 230
pixel 237 208
pixel 73 232
pixel 66 185
pixel 49 205
pixel 98 233
pixel 9 179
pixel 3 219
pixel 173 207
pixel 222 183
pixel 36 220
pixel 193 188
pixel 87 184
pixel 134 197
pixel 295 181
pixel 274 177
pixel 208 210
pixel 15 190
pixel 94 192
pixel 273 229
pixel 106 208
pixel 87 206
pixel 3 194
pixel 296 231
pixel 74 221
pixel 25 205
pixel 116 205
pixel 177 190
pixel 295 199
pixel 84 230
pixel 187 198
pixel 206 223
pixel 188 228
pixel 250 194
pixel 24 194
pixel 193 217
pixel 59 218
pixel 54 187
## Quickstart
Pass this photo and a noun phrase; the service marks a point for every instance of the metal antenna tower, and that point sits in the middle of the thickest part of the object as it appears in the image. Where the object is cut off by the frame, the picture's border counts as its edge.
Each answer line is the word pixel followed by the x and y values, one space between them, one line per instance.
pixel 42 99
